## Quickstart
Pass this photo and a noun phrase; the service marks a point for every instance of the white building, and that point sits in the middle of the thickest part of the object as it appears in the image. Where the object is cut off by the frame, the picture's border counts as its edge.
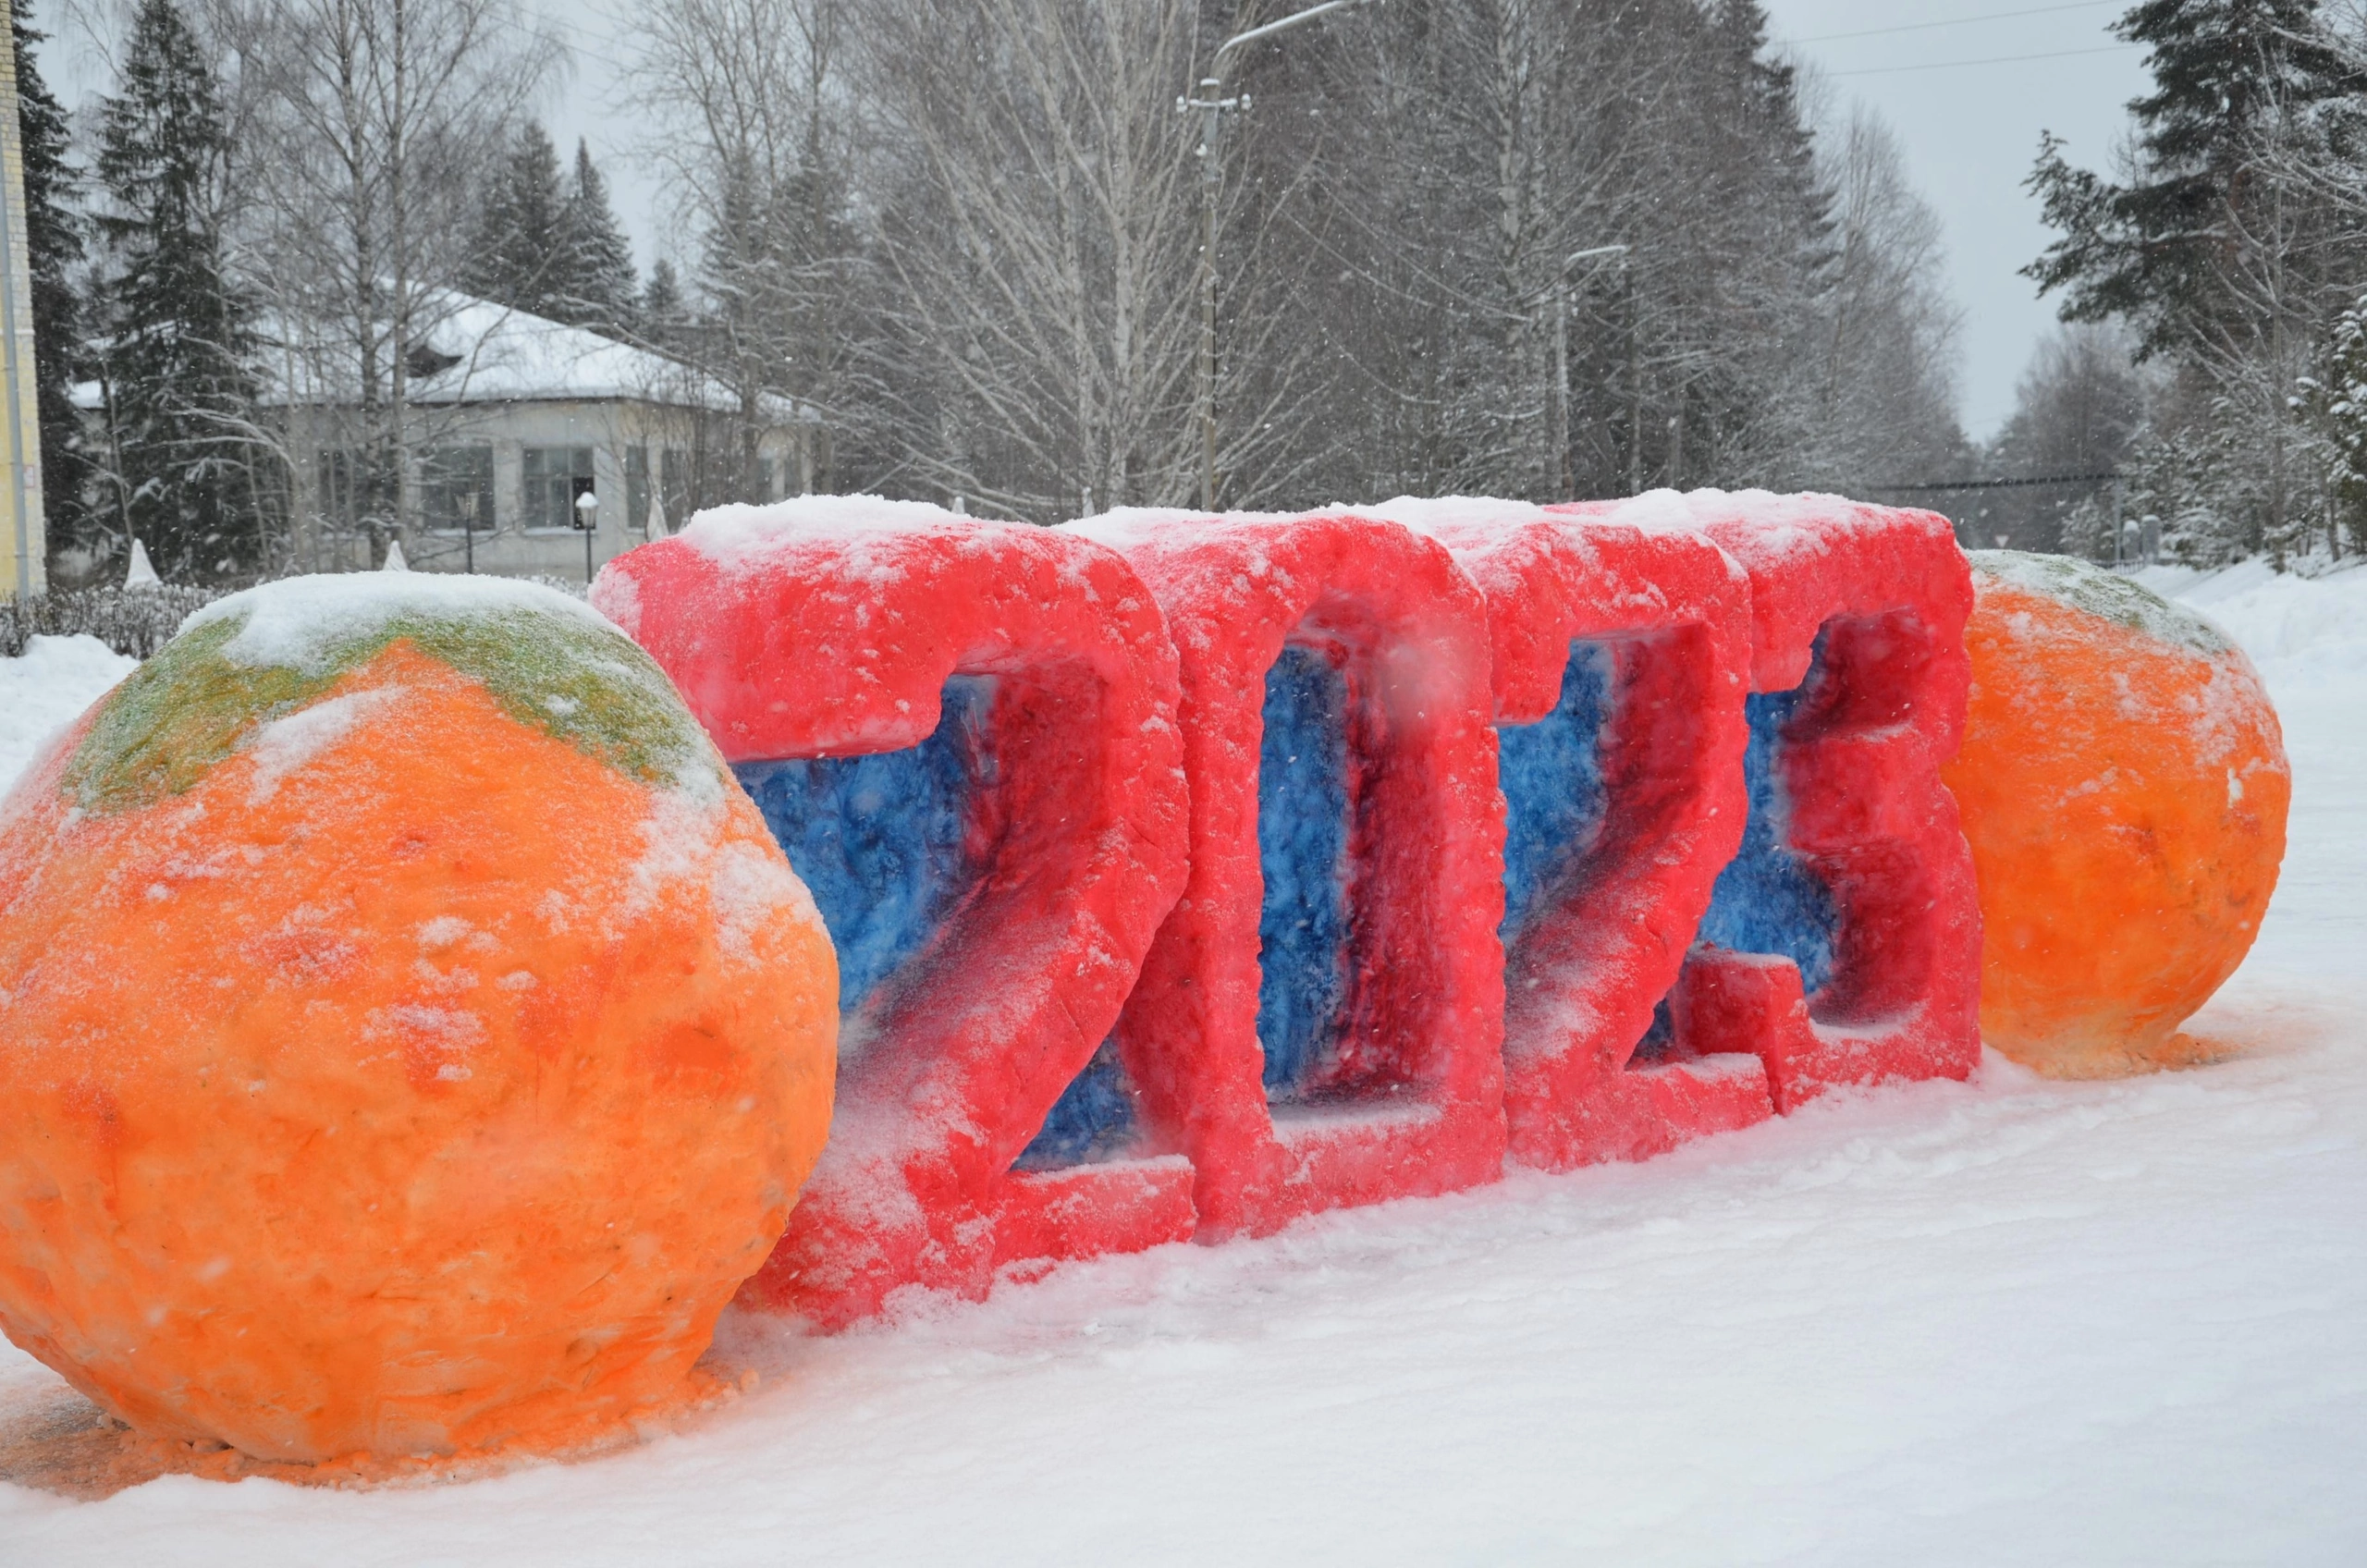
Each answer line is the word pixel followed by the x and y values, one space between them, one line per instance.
pixel 510 418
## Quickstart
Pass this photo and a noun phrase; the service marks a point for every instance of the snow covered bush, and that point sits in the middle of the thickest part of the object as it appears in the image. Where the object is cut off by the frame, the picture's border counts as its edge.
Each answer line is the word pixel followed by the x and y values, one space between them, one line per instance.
pixel 136 622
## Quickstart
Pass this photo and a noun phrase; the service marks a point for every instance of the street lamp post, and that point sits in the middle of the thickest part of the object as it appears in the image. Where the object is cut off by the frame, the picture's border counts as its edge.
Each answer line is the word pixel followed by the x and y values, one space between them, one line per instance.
pixel 1635 392
pixel 1569 482
pixel 1211 105
pixel 587 516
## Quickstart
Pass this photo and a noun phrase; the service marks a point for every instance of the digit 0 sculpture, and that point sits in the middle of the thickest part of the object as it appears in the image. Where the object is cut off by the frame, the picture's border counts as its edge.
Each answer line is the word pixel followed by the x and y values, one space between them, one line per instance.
pixel 1321 1021
pixel 1621 654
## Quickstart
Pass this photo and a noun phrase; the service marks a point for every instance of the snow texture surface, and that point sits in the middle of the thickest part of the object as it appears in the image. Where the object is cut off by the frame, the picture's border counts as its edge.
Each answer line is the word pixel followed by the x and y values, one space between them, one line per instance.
pixel 47 690
pixel 302 622
pixel 503 354
pixel 1303 776
pixel 739 536
pixel 2007 1321
pixel 2107 594
pixel 1551 775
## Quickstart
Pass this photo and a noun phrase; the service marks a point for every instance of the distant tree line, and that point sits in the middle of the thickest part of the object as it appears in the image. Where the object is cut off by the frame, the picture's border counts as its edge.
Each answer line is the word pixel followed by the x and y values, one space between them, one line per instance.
pixel 1518 247
pixel 2215 287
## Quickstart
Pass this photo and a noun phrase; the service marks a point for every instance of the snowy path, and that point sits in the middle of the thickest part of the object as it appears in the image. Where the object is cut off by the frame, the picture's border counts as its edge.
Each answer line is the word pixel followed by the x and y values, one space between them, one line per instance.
pixel 2004 1322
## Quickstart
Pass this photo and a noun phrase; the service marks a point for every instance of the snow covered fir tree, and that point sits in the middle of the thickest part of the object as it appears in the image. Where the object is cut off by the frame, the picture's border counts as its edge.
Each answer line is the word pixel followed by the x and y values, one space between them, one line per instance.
pixel 178 343
pixel 551 247
pixel 2228 251
pixel 56 251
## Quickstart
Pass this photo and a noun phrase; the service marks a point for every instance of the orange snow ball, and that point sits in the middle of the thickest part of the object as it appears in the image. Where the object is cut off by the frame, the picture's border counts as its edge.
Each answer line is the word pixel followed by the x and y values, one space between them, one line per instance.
pixel 2124 786
pixel 410 1036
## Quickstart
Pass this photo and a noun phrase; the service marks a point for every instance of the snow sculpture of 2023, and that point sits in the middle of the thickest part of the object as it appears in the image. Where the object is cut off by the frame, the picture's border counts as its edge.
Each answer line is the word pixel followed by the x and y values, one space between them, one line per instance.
pixel 1186 874
pixel 1734 876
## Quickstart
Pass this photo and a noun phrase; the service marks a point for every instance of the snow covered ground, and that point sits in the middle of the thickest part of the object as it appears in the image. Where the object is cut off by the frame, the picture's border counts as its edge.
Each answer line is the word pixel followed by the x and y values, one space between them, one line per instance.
pixel 47 690
pixel 2007 1322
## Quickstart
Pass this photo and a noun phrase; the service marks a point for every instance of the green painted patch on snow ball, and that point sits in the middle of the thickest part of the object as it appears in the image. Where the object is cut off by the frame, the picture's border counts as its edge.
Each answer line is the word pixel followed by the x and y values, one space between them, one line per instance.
pixel 195 704
pixel 2105 594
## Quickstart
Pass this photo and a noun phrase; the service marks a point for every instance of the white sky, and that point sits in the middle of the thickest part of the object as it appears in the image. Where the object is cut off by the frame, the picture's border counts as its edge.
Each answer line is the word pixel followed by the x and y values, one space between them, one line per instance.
pixel 1972 128
pixel 1956 78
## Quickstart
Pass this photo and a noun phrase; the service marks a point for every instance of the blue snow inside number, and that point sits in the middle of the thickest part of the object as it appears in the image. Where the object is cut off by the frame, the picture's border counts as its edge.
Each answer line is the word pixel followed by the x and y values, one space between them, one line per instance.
pixel 883 842
pixel 1767 900
pixel 1554 797
pixel 1302 854
pixel 1093 1119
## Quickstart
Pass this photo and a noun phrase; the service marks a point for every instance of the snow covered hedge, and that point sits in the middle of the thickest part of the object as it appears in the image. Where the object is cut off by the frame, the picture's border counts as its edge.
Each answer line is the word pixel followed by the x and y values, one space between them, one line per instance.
pixel 136 622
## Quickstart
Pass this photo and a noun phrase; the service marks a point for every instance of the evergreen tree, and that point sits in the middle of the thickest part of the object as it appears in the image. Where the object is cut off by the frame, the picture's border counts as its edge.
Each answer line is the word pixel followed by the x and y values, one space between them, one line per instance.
pixel 53 238
pixel 550 246
pixel 2222 251
pixel 176 360
pixel 516 259
pixel 2338 399
pixel 663 315
pixel 2228 75
pixel 597 288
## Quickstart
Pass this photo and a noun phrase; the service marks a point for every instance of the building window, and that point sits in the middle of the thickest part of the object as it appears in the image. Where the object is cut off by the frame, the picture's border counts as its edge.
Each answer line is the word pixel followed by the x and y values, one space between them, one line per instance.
pixel 349 489
pixel 554 476
pixel 637 488
pixel 674 485
pixel 455 488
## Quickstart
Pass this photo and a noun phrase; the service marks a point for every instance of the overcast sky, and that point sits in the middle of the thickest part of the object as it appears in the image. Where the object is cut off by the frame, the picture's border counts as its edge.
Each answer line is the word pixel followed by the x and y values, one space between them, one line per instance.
pixel 1967 84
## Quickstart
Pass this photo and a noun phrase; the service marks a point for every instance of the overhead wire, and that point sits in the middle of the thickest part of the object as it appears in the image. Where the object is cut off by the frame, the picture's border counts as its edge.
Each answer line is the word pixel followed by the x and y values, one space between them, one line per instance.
pixel 1991 60
pixel 1958 21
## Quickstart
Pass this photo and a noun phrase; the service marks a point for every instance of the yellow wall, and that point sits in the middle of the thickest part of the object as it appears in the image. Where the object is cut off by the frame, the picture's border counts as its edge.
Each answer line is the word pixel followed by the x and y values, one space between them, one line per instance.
pixel 23 540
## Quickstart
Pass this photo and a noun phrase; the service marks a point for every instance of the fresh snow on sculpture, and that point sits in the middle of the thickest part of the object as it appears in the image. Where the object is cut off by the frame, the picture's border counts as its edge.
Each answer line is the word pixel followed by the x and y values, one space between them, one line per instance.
pixel 414 1036
pixel 964 733
pixel 1320 1024
pixel 2125 789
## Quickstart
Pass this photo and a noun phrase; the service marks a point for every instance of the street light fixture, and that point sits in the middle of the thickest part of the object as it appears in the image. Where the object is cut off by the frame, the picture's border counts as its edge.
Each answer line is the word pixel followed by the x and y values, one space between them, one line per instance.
pixel 1212 105
pixel 587 518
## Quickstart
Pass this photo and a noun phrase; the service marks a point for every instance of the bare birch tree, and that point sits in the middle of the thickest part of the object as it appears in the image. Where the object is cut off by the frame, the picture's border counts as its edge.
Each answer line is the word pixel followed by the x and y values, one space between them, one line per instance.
pixel 368 123
pixel 1043 232
pixel 761 140
pixel 1879 388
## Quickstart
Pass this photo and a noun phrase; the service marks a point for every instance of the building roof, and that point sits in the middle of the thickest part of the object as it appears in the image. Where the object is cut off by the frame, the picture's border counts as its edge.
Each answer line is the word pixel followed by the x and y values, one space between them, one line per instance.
pixel 478 351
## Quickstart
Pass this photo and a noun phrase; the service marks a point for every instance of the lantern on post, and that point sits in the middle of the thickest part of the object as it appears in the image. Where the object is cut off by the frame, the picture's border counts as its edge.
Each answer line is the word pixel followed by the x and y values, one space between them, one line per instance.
pixel 587 510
